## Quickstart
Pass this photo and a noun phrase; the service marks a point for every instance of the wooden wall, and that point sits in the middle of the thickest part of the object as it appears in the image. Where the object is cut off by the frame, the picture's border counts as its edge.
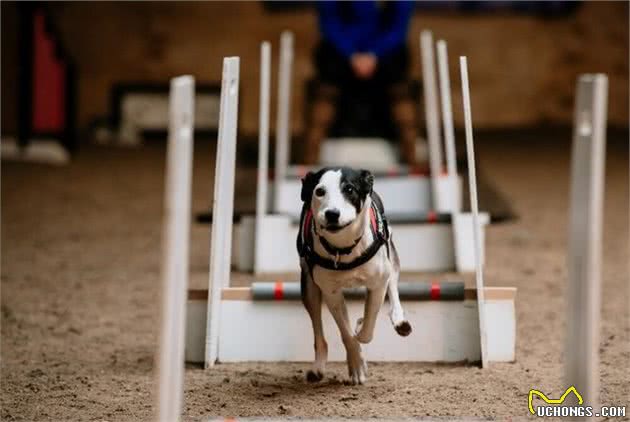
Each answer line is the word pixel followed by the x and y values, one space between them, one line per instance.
pixel 522 68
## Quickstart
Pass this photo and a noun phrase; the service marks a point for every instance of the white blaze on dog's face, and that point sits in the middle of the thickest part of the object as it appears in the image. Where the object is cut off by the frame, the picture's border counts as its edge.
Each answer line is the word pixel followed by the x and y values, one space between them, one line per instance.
pixel 337 196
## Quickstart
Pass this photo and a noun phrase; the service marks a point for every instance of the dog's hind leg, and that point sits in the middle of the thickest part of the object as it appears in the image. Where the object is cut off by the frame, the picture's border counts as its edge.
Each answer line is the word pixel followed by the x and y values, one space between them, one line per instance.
pixel 365 326
pixel 312 299
pixel 396 313
pixel 357 367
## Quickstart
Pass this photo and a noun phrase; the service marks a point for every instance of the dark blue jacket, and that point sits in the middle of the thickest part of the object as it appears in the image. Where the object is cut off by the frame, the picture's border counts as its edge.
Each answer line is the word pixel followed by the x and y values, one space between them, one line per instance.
pixel 365 26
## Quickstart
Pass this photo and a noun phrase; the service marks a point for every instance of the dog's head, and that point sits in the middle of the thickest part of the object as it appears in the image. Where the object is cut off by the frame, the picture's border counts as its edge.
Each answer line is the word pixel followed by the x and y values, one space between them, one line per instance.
pixel 336 196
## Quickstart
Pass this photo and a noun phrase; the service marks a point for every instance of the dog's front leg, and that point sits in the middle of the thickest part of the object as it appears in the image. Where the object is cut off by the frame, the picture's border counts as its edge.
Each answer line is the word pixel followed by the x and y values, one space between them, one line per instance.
pixel 396 313
pixel 365 325
pixel 357 368
pixel 312 299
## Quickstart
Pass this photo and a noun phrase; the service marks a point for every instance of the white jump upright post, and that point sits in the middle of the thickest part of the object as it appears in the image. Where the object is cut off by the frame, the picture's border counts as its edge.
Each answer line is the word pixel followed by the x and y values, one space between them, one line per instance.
pixel 429 83
pixel 263 146
pixel 453 202
pixel 223 203
pixel 585 237
pixel 472 180
pixel 176 236
pixel 283 124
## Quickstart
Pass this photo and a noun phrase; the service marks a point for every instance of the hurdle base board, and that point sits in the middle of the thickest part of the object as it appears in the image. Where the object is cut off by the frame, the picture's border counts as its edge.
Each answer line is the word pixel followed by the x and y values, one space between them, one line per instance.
pixel 280 331
pixel 401 194
pixel 421 247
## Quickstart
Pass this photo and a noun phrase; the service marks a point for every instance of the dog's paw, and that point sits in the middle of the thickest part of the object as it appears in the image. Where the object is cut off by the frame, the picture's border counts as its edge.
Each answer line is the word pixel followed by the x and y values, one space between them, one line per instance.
pixel 357 371
pixel 314 376
pixel 403 328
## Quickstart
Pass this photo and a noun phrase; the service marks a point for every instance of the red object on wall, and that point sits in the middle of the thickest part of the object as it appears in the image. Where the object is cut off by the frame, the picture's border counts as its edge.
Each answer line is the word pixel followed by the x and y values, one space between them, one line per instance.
pixel 49 90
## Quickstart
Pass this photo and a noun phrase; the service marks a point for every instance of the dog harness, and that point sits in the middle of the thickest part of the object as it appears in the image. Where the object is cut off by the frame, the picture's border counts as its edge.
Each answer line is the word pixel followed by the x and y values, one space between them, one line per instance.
pixel 380 233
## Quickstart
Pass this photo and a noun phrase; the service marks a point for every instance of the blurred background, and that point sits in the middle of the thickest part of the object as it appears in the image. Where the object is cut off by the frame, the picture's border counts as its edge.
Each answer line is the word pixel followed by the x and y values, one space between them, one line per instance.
pixel 523 56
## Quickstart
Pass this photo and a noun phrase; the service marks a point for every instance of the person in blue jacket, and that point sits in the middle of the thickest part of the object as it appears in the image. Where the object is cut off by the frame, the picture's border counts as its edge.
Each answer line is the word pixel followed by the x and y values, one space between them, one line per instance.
pixel 362 42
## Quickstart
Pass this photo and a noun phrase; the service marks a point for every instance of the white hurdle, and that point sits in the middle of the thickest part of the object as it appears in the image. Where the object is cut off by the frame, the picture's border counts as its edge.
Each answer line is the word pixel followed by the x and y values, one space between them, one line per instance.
pixel 472 180
pixel 585 237
pixel 263 150
pixel 451 197
pixel 431 112
pixel 175 238
pixel 283 124
pixel 223 206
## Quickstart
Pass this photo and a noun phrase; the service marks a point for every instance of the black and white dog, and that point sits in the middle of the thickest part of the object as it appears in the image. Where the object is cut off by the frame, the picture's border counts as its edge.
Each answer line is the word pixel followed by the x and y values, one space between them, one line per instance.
pixel 344 241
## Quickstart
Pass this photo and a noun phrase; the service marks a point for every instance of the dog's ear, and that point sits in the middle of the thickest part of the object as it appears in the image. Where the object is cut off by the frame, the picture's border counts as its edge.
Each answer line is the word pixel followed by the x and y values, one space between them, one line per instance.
pixel 366 182
pixel 308 184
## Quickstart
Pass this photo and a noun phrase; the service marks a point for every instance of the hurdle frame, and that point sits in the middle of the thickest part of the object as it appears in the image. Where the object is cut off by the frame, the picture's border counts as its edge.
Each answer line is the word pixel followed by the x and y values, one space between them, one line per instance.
pixel 223 207
pixel 431 113
pixel 283 122
pixel 225 309
pixel 472 178
pixel 279 330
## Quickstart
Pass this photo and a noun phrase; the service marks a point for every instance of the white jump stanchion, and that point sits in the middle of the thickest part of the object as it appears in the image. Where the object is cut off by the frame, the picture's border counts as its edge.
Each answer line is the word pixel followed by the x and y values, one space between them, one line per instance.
pixel 452 204
pixel 223 203
pixel 263 145
pixel 429 83
pixel 447 111
pixel 585 237
pixel 472 180
pixel 176 236
pixel 283 124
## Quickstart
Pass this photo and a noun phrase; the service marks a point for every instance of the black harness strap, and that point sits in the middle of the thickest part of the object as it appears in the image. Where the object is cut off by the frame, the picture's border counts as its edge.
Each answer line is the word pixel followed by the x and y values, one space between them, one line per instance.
pixel 333 250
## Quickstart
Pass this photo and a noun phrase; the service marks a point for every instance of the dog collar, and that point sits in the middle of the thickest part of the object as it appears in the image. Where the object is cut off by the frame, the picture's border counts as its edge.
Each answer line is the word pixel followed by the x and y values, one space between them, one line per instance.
pixel 335 251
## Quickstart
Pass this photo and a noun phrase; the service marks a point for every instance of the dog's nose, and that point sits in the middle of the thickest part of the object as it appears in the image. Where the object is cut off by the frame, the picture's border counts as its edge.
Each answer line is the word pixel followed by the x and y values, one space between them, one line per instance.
pixel 332 216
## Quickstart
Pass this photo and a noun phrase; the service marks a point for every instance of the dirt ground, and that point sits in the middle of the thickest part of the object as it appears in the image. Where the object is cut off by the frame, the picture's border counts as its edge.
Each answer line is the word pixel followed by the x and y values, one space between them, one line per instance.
pixel 80 287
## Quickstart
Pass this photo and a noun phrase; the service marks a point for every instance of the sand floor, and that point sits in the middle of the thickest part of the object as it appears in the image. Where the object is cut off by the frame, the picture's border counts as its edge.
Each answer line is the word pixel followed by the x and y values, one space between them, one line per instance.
pixel 80 286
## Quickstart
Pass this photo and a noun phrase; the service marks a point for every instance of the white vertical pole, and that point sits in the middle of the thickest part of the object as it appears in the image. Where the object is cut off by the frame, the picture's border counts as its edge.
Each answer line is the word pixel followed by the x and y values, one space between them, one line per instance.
pixel 283 124
pixel 263 144
pixel 472 180
pixel 585 237
pixel 447 112
pixel 223 204
pixel 429 83
pixel 176 236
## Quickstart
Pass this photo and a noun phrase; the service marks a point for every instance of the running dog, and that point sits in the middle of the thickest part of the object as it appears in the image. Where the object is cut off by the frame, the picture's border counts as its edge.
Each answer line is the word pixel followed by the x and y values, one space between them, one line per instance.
pixel 344 241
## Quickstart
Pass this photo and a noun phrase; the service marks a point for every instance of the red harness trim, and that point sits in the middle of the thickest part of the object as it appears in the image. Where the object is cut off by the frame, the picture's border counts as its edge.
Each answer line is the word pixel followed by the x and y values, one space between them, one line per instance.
pixel 307 225
pixel 373 220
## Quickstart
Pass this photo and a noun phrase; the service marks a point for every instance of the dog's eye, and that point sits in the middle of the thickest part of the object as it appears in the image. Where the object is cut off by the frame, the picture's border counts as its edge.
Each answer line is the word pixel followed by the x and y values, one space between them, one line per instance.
pixel 349 189
pixel 320 192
